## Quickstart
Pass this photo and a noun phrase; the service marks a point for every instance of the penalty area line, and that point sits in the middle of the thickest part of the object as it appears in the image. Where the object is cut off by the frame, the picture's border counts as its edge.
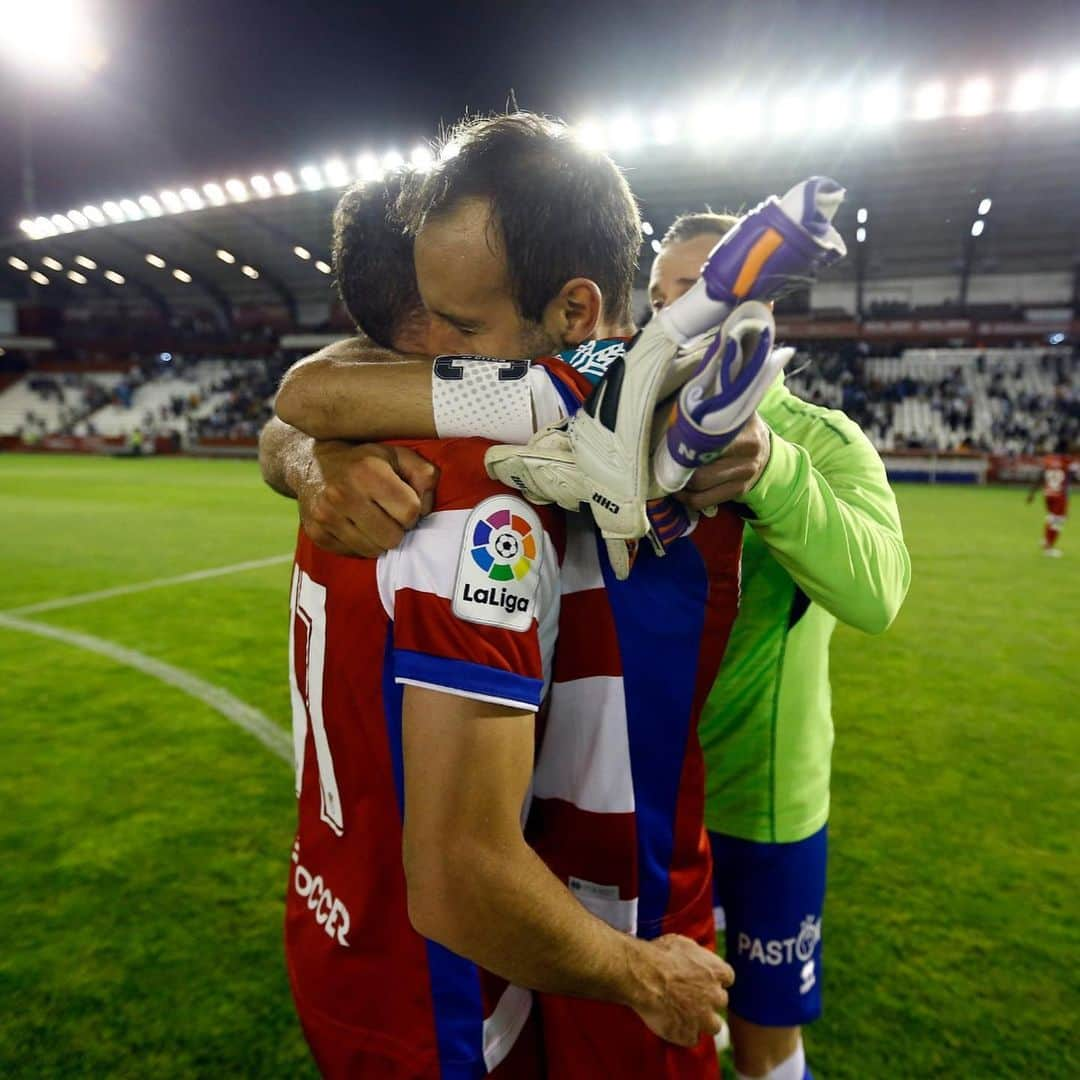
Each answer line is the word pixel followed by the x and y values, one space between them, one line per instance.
pixel 143 586
pixel 238 712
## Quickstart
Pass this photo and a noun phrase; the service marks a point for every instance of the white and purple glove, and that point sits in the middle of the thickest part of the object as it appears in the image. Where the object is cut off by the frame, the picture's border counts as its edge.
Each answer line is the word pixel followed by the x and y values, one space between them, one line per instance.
pixel 779 245
pixel 721 396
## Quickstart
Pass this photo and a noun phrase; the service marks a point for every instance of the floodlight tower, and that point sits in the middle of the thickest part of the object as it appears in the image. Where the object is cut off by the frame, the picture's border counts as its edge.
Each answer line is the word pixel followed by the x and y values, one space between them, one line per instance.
pixel 48 42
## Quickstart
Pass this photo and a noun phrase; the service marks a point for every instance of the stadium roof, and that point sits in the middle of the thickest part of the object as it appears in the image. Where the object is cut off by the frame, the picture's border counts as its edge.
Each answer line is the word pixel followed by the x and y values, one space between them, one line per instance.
pixel 922 165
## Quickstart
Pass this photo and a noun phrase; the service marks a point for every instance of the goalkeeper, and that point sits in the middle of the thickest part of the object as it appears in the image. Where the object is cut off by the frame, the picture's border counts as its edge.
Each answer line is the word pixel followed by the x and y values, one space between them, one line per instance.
pixel 823 542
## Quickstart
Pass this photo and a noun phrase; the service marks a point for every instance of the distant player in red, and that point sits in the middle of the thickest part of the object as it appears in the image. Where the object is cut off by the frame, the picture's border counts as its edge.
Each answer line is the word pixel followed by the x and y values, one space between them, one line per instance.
pixel 1055 484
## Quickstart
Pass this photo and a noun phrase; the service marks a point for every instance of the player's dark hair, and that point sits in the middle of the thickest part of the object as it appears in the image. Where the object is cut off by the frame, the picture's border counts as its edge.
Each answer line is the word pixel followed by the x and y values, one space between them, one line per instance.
pixel 373 258
pixel 689 226
pixel 564 211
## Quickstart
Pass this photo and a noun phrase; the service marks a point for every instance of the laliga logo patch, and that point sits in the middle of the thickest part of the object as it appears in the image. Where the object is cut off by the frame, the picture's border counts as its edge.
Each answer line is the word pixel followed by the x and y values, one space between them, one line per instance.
pixel 503 546
pixel 498 568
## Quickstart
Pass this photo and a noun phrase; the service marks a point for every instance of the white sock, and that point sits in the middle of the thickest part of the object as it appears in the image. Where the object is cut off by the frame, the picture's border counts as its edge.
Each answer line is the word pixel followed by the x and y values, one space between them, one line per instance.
pixel 792 1069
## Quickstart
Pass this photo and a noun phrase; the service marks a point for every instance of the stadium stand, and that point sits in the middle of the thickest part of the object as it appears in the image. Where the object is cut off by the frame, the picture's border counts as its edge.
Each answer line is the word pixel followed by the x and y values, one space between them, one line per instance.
pixel 1000 401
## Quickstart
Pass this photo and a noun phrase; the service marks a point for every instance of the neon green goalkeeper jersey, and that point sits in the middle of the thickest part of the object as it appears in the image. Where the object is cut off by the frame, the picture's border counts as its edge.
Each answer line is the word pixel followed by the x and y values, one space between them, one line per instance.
pixel 823 542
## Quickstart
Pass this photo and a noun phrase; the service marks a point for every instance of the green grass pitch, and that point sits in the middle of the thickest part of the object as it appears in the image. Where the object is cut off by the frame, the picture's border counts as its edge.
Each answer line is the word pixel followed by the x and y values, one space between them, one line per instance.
pixel 146 840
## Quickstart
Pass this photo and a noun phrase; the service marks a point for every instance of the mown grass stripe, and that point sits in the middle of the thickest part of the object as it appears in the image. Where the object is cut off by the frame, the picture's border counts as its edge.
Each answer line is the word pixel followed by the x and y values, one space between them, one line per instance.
pixel 142 586
pixel 232 708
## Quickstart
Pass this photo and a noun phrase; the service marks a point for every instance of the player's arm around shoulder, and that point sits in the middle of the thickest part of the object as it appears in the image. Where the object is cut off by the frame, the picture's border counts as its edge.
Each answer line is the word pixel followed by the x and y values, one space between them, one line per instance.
pixel 824 506
pixel 353 389
pixel 819 497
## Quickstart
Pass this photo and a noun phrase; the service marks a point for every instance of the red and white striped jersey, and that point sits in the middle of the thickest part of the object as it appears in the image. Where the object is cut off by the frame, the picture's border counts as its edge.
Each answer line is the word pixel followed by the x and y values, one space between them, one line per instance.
pixel 467 604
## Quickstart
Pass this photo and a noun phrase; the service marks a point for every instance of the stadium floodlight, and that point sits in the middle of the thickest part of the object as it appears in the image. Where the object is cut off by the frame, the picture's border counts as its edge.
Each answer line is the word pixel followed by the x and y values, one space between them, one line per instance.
pixel 977 227
pixel 655 245
pixel 976 97
pixel 78 219
pixel 862 215
pixel 646 228
pixel 930 101
pixel 590 134
pixel 832 110
pixel 113 212
pixel 237 190
pixel 85 262
pixel 215 193
pixel 51 38
pixel 625 133
pixel 131 211
pixel 62 223
pixel 114 277
pixel 261 186
pixel 17 264
pixel 150 205
pixel 38 278
pixel 984 207
pixel 29 227
pixel 52 264
pixel 860 235
pixel 249 271
pixel 421 158
pixel 749 111
pixel 392 160
pixel 301 252
pixel 155 260
pixel 789 113
pixel 44 227
pixel 74 275
pixel 1029 91
pixel 706 121
pixel 284 182
pixel 190 198
pixel 94 214
pixel 322 267
pixel 182 275
pixel 367 168
pixel 881 104
pixel 336 172
pixel 171 201
pixel 225 256
pixel 665 129
pixel 1068 88
pixel 311 178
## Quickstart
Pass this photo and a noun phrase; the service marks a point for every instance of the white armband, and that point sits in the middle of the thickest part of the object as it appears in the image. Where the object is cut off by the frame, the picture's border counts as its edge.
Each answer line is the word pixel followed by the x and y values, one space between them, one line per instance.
pixel 476 395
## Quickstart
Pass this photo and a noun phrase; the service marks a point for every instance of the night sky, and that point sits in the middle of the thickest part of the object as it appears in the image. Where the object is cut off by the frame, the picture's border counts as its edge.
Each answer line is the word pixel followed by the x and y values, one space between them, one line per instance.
pixel 195 90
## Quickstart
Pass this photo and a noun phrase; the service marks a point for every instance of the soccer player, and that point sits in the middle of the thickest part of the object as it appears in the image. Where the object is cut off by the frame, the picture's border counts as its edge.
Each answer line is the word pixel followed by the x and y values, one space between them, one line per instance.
pixel 415 678
pixel 822 542
pixel 1054 480
pixel 615 713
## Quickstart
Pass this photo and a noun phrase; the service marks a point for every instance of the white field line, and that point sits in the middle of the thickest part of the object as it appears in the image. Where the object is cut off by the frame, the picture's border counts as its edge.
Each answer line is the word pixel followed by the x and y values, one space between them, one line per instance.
pixel 143 586
pixel 232 708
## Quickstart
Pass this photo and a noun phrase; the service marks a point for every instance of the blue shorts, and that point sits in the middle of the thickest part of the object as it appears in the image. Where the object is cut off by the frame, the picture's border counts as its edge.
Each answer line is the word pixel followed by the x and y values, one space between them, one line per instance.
pixel 772 896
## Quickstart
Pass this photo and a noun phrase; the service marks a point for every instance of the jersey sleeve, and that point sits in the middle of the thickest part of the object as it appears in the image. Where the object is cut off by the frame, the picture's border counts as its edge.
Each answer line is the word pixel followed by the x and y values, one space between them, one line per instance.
pixel 473 595
pixel 824 508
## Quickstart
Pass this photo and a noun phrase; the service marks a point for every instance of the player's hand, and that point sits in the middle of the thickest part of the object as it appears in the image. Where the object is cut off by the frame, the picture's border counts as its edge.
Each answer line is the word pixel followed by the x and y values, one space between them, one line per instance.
pixel 361 499
pixel 735 472
pixel 683 988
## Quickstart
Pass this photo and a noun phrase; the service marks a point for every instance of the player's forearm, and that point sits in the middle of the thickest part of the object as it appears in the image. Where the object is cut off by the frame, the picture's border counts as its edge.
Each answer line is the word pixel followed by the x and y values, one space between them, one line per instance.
pixel 284 454
pixel 363 394
pixel 836 532
pixel 507 912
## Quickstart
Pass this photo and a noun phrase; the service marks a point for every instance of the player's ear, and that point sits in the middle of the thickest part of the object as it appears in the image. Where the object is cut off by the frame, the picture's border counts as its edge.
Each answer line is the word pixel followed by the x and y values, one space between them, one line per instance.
pixel 574 313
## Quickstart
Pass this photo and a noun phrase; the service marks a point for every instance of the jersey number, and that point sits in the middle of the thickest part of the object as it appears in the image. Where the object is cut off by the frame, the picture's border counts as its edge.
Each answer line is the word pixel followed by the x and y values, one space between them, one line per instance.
pixel 306 661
